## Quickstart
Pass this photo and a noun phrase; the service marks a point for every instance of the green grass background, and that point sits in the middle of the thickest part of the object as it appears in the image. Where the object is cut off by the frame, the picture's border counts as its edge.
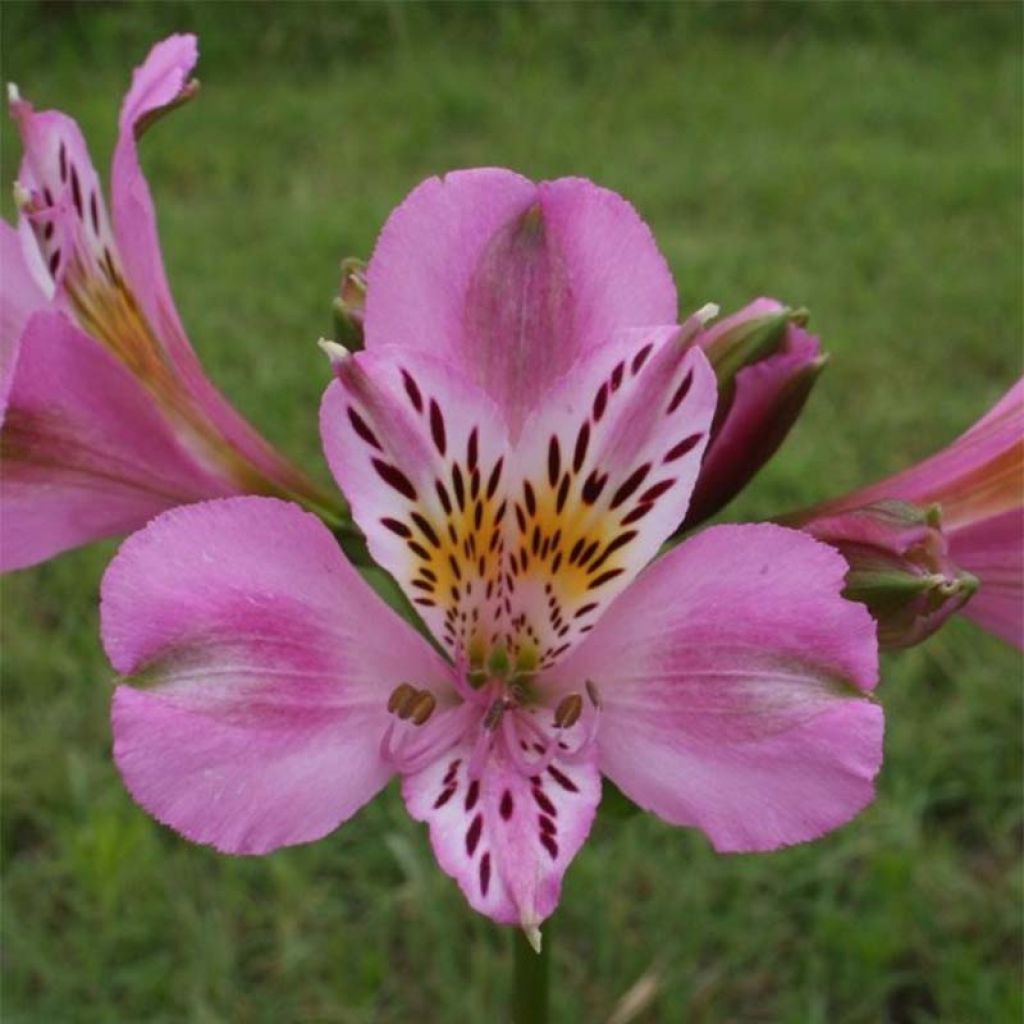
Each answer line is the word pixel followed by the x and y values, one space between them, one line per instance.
pixel 865 160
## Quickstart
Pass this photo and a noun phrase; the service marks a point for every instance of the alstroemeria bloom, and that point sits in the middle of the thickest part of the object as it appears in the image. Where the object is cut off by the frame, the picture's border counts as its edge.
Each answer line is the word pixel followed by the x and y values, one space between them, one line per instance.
pixel 107 416
pixel 977 485
pixel 766 365
pixel 516 446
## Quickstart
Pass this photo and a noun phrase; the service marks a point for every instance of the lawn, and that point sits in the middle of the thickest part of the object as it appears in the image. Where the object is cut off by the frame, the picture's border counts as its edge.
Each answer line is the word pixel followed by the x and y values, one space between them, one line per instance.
pixel 863 160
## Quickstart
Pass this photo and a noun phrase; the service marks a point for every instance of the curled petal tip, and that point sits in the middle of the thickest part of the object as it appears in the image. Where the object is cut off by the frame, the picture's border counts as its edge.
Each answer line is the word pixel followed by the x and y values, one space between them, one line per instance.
pixel 22 196
pixel 335 352
pixel 533 937
pixel 707 313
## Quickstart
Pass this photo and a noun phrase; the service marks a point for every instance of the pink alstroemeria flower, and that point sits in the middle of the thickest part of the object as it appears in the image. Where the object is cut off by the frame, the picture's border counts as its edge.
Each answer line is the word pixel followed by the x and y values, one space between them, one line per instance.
pixel 107 416
pixel 977 486
pixel 516 445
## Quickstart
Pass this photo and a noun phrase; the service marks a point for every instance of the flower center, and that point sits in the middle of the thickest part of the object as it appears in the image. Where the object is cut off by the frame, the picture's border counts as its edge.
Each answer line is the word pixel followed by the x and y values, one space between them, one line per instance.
pixel 501 716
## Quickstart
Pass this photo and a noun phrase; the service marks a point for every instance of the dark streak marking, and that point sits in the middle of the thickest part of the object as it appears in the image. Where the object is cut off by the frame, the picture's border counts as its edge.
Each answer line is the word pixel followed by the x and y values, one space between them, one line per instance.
pixel 632 482
pixel 394 478
pixel 360 427
pixel 413 392
pixel 437 427
pixel 687 444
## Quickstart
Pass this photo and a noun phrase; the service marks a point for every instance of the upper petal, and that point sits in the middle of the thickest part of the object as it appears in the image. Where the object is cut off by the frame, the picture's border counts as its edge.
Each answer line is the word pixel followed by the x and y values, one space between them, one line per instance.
pixel 512 281
pixel 267 663
pixel 602 476
pixel 519 546
pixel 729 677
pixel 422 456
pixel 85 452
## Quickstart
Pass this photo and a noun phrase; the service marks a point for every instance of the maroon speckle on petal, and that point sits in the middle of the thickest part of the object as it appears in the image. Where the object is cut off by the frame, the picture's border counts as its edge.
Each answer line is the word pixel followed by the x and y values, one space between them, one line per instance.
pixel 554 461
pixel 640 358
pixel 396 527
pixel 632 482
pixel 543 802
pixel 446 794
pixel 562 779
pixel 547 825
pixel 506 806
pixel 360 427
pixel 492 481
pixel 680 394
pixel 473 834
pixel 550 845
pixel 472 795
pixel 682 448
pixel 395 478
pixel 412 391
pixel 437 431
pixel 485 873
pixel 580 451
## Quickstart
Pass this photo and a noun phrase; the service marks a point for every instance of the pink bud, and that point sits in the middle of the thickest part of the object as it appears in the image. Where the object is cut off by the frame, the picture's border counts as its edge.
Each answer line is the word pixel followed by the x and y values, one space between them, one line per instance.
pixel 766 365
pixel 899 568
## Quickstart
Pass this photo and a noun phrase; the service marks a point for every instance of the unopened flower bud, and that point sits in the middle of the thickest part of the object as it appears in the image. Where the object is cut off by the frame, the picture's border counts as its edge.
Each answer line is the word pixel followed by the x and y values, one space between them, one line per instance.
pixel 766 365
pixel 349 304
pixel 899 568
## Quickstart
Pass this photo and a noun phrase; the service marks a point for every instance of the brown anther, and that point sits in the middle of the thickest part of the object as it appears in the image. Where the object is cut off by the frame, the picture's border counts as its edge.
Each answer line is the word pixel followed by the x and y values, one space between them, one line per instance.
pixel 592 694
pixel 400 696
pixel 493 717
pixel 422 707
pixel 568 712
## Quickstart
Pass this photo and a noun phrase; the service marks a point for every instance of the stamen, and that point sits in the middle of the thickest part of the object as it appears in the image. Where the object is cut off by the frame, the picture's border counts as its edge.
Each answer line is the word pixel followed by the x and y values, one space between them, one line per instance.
pixel 422 707
pixel 568 712
pixel 400 697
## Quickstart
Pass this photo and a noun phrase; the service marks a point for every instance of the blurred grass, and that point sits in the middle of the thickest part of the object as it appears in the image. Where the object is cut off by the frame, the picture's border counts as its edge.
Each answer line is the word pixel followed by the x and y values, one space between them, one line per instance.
pixel 863 159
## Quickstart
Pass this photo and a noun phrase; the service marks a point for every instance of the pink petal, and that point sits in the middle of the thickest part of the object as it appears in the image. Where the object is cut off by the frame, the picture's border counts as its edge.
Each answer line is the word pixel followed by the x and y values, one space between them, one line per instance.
pixel 86 454
pixel 421 455
pixel 979 475
pixel 21 297
pixel 157 85
pixel 512 281
pixel 729 676
pixel 519 547
pixel 267 663
pixel 506 839
pixel 603 476
pixel 993 549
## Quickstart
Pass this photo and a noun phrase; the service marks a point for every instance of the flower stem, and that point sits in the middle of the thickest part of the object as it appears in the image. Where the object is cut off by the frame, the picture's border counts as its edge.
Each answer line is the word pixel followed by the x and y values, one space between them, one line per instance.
pixel 530 990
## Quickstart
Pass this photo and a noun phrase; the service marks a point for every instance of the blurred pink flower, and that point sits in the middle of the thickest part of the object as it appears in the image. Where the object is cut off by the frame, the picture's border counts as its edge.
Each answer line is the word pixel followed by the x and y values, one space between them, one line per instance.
pixel 517 440
pixel 976 486
pixel 107 415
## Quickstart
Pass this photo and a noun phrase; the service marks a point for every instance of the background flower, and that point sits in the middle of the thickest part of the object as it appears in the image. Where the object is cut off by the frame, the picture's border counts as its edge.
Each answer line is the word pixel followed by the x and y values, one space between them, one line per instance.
pixel 107 415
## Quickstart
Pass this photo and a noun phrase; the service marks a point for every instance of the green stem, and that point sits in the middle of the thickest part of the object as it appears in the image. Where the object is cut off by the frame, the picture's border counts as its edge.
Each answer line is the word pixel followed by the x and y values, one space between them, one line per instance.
pixel 530 991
